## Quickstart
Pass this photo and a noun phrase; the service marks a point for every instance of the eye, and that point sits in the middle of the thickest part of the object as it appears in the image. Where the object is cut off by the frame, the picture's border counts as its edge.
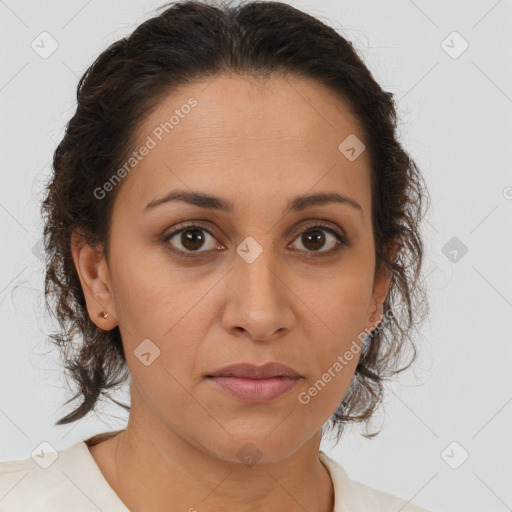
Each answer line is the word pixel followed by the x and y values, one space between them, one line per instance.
pixel 193 237
pixel 313 238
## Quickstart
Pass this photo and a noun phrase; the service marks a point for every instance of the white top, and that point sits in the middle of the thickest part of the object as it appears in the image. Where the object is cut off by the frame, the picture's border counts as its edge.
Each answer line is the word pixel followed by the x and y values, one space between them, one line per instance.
pixel 71 481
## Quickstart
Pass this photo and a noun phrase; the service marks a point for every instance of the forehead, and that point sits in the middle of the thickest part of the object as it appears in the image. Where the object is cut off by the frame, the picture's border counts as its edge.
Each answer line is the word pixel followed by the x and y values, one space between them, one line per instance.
pixel 249 134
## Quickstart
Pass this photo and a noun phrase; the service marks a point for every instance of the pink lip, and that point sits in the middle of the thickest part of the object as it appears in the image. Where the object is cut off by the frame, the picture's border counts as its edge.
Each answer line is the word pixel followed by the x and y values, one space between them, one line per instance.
pixel 255 390
pixel 251 371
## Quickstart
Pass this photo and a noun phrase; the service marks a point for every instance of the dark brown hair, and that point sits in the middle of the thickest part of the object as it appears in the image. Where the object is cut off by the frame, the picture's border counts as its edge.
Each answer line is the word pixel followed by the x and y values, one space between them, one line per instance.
pixel 191 40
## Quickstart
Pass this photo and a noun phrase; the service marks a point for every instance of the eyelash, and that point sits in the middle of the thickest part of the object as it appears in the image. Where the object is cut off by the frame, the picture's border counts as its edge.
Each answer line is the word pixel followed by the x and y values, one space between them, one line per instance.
pixel 342 241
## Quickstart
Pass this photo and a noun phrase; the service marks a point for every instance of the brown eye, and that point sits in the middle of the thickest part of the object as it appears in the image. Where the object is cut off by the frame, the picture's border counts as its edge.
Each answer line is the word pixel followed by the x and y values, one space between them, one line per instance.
pixel 314 238
pixel 189 240
pixel 192 239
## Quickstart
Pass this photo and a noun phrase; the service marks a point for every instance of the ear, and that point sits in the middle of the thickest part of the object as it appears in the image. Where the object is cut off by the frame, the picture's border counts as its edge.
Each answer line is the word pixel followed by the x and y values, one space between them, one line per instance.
pixel 94 277
pixel 381 285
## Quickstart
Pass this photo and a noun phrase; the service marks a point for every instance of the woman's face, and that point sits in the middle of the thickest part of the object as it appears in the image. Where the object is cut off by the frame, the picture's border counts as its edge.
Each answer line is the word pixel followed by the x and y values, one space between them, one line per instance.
pixel 263 285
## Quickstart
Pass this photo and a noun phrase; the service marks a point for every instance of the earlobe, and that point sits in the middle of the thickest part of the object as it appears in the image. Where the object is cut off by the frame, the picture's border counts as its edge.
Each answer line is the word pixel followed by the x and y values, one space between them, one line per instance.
pixel 94 278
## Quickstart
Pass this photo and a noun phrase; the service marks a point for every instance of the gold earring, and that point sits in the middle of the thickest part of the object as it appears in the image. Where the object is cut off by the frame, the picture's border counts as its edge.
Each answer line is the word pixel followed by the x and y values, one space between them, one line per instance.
pixel 103 314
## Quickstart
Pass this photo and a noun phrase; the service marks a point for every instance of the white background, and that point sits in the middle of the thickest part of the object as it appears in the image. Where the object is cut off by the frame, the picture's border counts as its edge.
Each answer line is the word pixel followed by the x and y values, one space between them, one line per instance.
pixel 456 121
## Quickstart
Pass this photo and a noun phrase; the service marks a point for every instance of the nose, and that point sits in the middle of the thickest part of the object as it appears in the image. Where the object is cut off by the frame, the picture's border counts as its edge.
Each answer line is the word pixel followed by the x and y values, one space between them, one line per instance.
pixel 258 302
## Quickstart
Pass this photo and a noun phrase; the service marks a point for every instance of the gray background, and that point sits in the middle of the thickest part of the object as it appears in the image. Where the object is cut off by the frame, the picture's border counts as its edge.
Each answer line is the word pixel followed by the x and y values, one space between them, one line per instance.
pixel 456 121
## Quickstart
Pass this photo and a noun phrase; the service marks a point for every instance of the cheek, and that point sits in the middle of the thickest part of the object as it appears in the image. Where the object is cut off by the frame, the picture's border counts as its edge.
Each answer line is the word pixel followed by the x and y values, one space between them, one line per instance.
pixel 162 314
pixel 324 390
pixel 164 366
pixel 339 305
pixel 150 295
pixel 340 313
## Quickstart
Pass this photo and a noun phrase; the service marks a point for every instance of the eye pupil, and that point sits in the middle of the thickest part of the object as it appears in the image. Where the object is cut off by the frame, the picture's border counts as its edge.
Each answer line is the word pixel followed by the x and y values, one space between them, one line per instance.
pixel 318 239
pixel 192 239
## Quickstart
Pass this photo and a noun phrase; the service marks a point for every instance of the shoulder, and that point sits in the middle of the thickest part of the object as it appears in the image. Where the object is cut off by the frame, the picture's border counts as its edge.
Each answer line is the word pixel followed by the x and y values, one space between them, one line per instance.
pixel 56 480
pixel 388 501
pixel 22 480
pixel 357 497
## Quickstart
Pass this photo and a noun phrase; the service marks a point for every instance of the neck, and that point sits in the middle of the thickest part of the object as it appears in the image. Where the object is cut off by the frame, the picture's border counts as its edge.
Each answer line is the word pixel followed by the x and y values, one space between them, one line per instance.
pixel 202 481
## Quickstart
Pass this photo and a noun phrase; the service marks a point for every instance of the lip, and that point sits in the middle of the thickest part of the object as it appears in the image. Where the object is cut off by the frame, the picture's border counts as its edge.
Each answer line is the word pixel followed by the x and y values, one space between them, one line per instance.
pixel 255 391
pixel 251 371
pixel 256 384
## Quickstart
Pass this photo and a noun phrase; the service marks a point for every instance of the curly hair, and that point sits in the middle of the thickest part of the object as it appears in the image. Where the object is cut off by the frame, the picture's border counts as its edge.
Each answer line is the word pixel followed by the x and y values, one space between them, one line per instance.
pixel 192 40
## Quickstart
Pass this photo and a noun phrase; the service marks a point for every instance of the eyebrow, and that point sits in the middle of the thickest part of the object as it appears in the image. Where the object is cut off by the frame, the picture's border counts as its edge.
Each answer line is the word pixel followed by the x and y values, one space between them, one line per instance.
pixel 297 204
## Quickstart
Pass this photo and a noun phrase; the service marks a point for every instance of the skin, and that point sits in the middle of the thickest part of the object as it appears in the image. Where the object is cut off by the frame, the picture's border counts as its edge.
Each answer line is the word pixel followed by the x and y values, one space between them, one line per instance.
pixel 258 144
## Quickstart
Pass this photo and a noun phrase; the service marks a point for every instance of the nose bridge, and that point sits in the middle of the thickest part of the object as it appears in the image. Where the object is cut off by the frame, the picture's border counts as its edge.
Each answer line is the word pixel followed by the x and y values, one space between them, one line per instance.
pixel 258 295
pixel 255 269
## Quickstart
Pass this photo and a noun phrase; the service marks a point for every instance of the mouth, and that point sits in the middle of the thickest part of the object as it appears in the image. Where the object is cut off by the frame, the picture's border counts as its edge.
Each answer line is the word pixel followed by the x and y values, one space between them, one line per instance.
pixel 255 384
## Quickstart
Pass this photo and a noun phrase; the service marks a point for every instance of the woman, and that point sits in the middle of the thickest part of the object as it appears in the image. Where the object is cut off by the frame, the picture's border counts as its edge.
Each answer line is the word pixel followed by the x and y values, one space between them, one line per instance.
pixel 229 223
